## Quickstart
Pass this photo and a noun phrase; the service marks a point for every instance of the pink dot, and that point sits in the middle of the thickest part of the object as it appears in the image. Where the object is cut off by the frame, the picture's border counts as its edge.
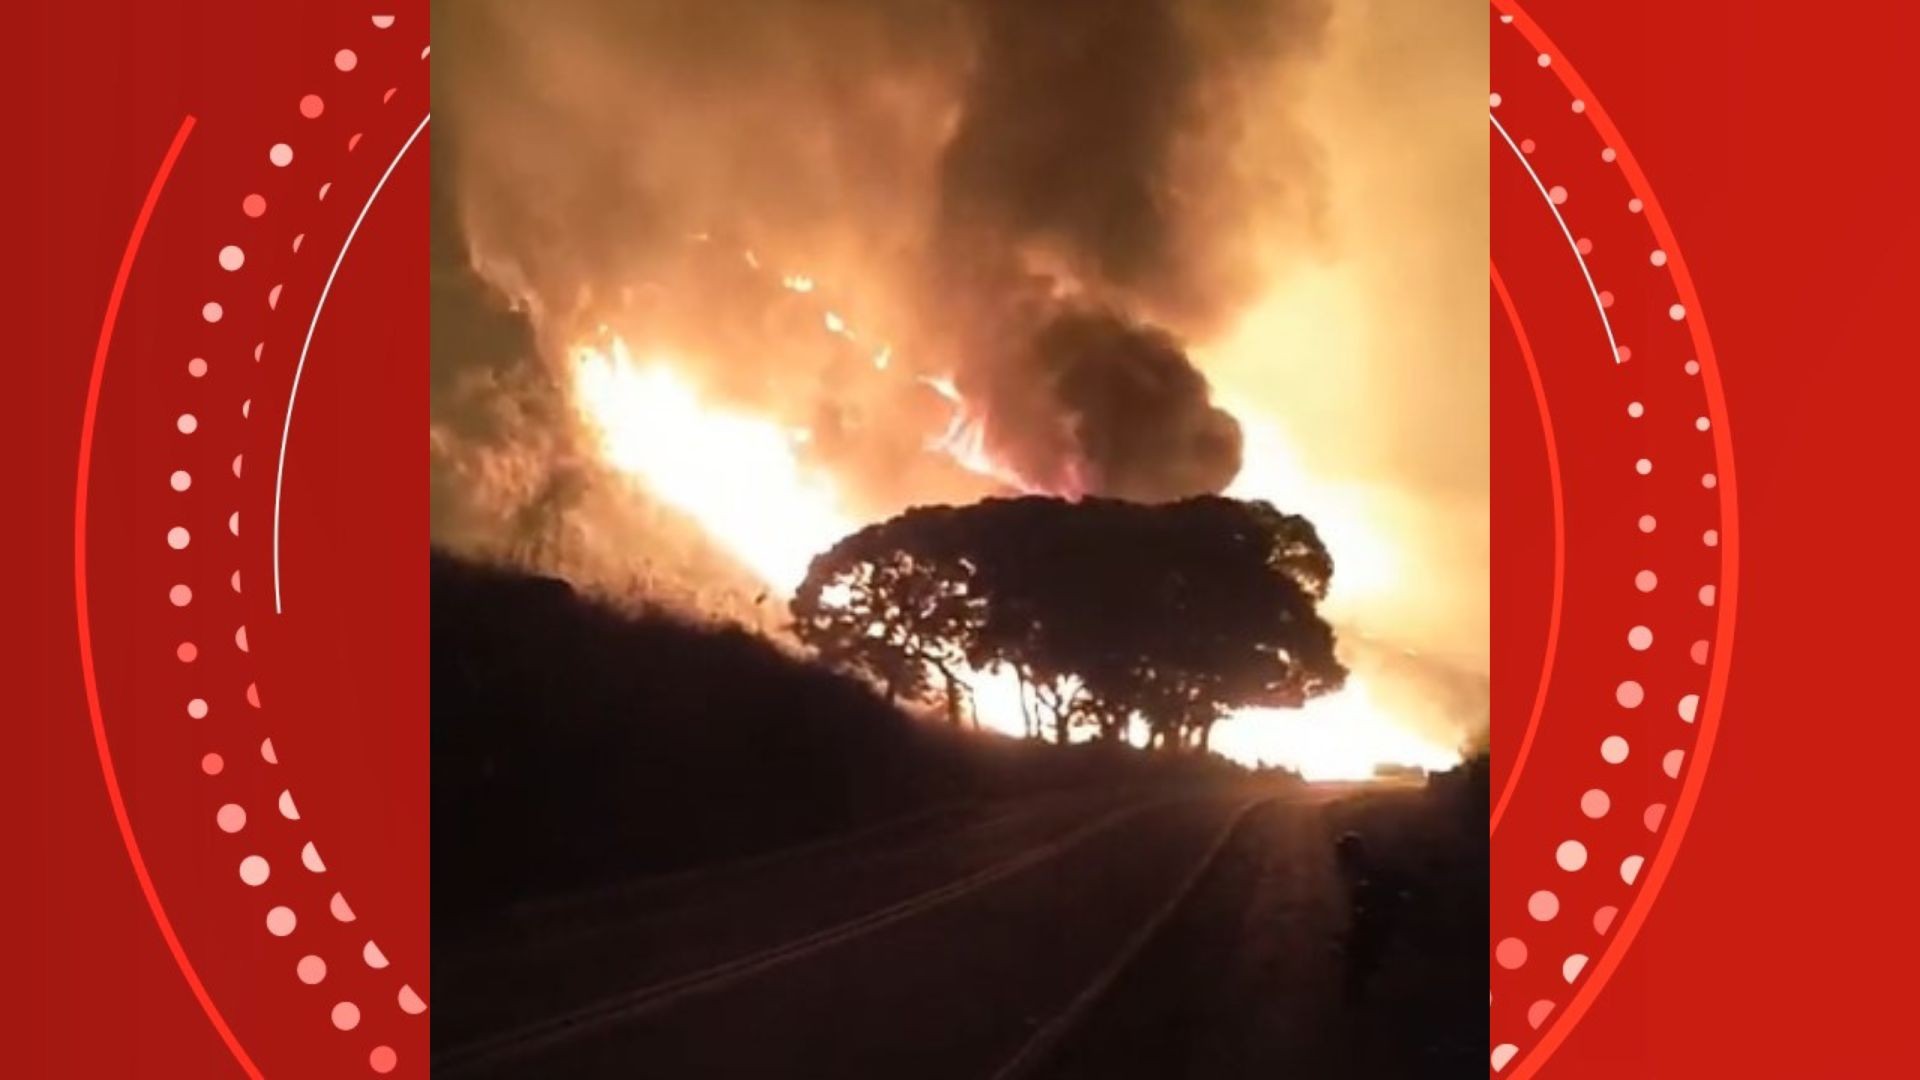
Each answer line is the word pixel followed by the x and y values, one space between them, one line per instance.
pixel 212 311
pixel 1558 194
pixel 1584 246
pixel 1629 694
pixel 1647 523
pixel 186 652
pixel 1646 581
pixel 232 258
pixel 1511 953
pixel 346 1016
pixel 197 367
pixel 1538 1012
pixel 1654 815
pixel 1595 803
pixel 345 60
pixel 281 921
pixel 253 205
pixel 311 970
pixel 311 106
pixel 1699 652
pixel 254 870
pixel 177 538
pixel 383 1059
pixel 187 423
pixel 231 818
pixel 180 595
pixel 1526 146
pixel 1543 906
pixel 1606 298
pixel 212 764
pixel 1623 353
pixel 1603 919
pixel 197 708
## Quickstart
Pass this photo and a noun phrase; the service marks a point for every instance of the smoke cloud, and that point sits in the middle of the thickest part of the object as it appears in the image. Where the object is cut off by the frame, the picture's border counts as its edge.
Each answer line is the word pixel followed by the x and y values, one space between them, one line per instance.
pixel 1092 187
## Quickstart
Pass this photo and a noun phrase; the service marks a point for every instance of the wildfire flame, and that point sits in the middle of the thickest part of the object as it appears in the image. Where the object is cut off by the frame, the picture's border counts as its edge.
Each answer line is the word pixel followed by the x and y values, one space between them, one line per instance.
pixel 744 480
pixel 738 476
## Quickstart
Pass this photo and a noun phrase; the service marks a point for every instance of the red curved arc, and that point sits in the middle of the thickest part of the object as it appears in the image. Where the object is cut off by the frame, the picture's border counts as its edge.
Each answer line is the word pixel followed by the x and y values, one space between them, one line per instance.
pixel 80 607
pixel 1559 547
pixel 1711 705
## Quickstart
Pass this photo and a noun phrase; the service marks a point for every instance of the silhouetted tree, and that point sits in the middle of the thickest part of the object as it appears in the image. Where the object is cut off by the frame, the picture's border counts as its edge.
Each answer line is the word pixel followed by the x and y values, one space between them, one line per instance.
pixel 1105 611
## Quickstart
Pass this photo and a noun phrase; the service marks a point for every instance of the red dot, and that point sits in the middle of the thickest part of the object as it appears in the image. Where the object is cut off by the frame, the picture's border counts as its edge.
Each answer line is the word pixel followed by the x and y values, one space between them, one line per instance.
pixel 186 652
pixel 311 106
pixel 253 205
pixel 212 764
pixel 383 1059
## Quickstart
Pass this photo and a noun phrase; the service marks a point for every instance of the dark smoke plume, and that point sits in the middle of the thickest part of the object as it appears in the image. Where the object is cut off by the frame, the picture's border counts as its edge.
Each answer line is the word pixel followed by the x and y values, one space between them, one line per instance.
pixel 1096 404
pixel 1091 188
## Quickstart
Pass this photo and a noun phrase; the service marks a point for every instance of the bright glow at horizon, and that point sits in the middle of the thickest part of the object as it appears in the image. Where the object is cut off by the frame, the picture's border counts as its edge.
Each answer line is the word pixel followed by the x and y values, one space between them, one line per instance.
pixel 742 480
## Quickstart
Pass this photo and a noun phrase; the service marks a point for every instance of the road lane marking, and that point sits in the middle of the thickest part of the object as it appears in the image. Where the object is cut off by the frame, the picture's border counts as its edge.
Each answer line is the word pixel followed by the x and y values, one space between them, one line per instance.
pixel 632 1004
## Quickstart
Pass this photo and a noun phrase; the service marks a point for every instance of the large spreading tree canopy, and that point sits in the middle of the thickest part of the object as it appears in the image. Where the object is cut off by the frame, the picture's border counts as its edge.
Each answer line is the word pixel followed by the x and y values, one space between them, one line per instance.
pixel 1105 611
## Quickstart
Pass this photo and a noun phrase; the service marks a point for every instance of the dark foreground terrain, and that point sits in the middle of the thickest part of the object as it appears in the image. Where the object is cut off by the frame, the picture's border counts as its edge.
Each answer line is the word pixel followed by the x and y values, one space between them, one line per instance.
pixel 674 853
pixel 1195 934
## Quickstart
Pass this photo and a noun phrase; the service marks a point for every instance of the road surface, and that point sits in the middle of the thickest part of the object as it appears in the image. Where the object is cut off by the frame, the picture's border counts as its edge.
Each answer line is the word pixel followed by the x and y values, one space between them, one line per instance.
pixel 1088 935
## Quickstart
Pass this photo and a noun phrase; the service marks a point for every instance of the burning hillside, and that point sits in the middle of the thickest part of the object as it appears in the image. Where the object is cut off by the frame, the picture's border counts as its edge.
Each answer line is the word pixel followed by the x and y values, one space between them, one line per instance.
pixel 725 286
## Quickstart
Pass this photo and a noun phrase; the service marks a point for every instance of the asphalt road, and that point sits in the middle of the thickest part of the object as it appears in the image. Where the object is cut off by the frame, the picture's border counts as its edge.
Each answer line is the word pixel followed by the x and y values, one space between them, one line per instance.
pixel 1088 936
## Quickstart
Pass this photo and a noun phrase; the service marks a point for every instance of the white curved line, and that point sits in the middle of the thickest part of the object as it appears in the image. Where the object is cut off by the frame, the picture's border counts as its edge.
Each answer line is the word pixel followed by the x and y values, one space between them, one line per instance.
pixel 280 469
pixel 1571 242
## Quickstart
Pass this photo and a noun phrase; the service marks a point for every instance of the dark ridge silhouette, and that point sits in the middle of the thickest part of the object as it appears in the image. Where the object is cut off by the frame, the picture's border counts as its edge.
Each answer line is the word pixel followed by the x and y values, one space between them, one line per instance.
pixel 576 745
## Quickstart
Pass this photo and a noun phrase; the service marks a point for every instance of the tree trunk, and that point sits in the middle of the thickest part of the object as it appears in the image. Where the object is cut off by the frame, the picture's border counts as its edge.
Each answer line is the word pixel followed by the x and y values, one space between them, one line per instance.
pixel 953 697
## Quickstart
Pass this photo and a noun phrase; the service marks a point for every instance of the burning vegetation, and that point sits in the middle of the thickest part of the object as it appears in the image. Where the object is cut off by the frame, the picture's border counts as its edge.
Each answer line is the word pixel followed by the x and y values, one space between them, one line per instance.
pixel 719 286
